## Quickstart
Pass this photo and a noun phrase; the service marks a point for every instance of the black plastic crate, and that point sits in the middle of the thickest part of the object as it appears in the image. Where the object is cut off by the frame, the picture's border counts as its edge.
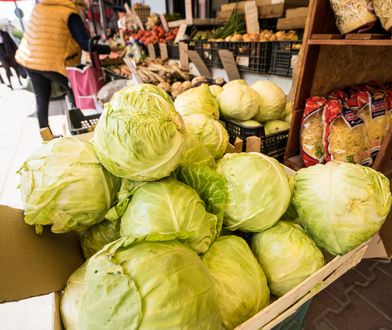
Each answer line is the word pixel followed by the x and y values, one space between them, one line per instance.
pixel 110 75
pixel 79 123
pixel 250 56
pixel 283 56
pixel 173 50
pixel 208 51
pixel 273 145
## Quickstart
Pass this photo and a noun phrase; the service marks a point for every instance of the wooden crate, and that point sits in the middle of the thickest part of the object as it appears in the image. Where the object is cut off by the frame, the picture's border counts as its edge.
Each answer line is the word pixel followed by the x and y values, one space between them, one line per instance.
pixel 295 19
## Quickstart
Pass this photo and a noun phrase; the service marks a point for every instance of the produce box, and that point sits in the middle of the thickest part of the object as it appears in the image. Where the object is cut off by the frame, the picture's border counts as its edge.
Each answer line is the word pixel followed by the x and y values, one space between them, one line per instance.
pixel 38 265
pixel 283 57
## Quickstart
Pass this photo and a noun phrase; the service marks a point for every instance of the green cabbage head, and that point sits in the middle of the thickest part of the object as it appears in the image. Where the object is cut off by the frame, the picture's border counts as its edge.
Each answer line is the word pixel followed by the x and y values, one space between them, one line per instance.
pixel 140 135
pixel 133 284
pixel 287 255
pixel 198 100
pixel 195 152
pixel 215 90
pixel 173 208
pixel 258 191
pixel 238 101
pixel 64 185
pixel 272 100
pixel 341 205
pixel 209 131
pixel 275 126
pixel 240 283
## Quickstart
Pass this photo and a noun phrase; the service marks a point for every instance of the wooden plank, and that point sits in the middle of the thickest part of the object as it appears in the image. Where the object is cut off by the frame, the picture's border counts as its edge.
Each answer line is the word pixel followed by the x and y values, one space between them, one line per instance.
pixel 271 11
pixel 294 12
pixel 383 162
pixel 336 267
pixel 348 42
pixel 163 51
pixel 199 63
pixel 295 163
pixel 291 23
pixel 181 33
pixel 253 144
pixel 365 36
pixel 151 51
pixel 238 145
pixel 326 36
pixel 188 12
pixel 176 23
pixel 184 60
pixel 229 64
pixel 164 22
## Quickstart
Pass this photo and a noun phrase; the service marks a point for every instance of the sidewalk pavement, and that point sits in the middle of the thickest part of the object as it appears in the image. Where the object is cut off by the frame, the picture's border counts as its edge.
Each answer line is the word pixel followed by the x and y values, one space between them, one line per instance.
pixel 19 136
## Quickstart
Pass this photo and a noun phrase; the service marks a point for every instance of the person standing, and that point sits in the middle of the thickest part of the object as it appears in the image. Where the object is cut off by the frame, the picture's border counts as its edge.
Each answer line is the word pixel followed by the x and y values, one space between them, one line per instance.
pixel 7 57
pixel 54 39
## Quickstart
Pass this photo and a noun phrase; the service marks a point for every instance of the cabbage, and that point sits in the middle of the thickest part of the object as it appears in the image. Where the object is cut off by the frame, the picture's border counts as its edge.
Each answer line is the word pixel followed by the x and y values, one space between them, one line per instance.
pixel 275 126
pixel 210 186
pixel 133 284
pixel 97 236
pixel 72 297
pixel 238 101
pixel 56 186
pixel 258 191
pixel 170 207
pixel 272 100
pixel 287 255
pixel 215 90
pixel 210 132
pixel 194 152
pixel 240 283
pixel 198 100
pixel 287 113
pixel 139 135
pixel 291 212
pixel 341 205
pixel 251 123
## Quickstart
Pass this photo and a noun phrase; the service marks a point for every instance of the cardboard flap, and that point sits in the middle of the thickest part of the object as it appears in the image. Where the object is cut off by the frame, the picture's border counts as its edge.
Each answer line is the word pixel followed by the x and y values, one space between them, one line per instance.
pixel 32 264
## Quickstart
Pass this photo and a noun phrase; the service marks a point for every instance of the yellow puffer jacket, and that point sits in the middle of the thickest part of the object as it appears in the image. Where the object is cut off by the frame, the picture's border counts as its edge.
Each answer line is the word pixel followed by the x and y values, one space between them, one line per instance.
pixel 47 44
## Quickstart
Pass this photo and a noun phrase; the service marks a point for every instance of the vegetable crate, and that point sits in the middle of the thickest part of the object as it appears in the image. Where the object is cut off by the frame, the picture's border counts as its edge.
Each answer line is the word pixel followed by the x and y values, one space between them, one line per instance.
pixel 110 75
pixel 283 57
pixel 78 123
pixel 250 56
pixel 208 51
pixel 173 50
pixel 273 145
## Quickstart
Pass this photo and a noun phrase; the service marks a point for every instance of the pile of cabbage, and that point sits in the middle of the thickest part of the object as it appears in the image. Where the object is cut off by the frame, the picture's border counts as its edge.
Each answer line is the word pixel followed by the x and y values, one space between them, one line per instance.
pixel 179 235
pixel 262 104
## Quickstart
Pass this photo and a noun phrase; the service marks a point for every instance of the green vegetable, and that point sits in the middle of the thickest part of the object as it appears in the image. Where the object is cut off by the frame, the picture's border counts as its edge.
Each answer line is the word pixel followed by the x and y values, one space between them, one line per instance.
pixel 341 205
pixel 287 255
pixel 291 212
pixel 210 186
pixel 238 101
pixel 240 283
pixel 139 135
pixel 275 126
pixel 236 24
pixel 258 191
pixel 272 100
pixel 72 297
pixel 250 123
pixel 98 235
pixel 210 132
pixel 197 100
pixel 287 113
pixel 170 207
pixel 134 284
pixel 194 152
pixel 56 186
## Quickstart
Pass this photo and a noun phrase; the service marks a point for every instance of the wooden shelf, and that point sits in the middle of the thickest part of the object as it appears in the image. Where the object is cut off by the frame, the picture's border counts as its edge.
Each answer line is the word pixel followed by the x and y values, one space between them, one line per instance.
pixel 350 42
pixel 197 21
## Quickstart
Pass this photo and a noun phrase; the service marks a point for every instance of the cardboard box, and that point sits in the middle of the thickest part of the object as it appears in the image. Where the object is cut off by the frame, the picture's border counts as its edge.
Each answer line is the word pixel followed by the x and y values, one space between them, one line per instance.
pixel 34 265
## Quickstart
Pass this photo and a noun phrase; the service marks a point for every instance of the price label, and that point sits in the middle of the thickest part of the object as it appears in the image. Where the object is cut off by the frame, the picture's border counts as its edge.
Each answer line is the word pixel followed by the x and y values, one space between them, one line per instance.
pixel 181 32
pixel 151 51
pixel 294 60
pixel 163 51
pixel 242 60
pixel 200 65
pixel 251 17
pixel 164 23
pixel 229 64
pixel 184 61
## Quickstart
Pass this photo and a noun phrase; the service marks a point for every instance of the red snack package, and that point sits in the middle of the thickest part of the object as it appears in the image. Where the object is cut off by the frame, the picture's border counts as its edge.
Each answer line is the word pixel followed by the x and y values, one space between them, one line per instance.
pixel 311 137
pixel 345 137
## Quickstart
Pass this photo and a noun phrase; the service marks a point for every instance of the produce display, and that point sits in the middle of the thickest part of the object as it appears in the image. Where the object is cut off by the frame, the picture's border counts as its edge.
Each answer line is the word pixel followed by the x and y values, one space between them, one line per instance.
pixel 348 125
pixel 165 251
pixel 383 9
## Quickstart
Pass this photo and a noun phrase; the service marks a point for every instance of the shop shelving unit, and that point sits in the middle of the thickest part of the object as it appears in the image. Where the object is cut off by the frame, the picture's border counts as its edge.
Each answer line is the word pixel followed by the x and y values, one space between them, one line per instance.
pixel 331 61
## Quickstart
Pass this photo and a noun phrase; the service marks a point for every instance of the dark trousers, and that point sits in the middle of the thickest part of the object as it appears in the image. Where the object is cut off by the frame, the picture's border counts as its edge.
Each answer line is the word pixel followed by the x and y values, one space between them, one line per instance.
pixel 41 81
